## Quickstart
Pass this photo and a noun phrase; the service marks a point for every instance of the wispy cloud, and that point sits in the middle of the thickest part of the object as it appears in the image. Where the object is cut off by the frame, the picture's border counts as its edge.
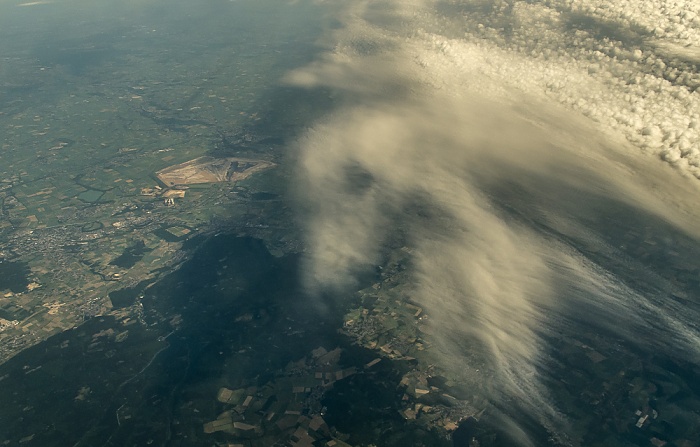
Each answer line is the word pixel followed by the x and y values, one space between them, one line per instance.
pixel 509 177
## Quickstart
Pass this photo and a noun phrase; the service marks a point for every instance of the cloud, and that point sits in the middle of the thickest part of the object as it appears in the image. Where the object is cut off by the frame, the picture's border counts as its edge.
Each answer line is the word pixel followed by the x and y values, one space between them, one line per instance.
pixel 488 141
pixel 631 66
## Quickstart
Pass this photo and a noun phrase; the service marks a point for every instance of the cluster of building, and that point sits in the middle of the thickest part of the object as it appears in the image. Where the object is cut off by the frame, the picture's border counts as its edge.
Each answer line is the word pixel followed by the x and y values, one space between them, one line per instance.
pixel 73 255
pixel 4 324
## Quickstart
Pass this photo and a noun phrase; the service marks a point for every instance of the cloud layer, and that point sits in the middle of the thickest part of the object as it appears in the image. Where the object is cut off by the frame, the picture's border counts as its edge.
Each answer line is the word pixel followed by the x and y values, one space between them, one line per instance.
pixel 486 132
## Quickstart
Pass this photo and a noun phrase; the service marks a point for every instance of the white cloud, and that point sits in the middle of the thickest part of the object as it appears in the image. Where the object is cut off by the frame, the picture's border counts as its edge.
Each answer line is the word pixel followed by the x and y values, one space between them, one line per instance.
pixel 480 117
pixel 628 65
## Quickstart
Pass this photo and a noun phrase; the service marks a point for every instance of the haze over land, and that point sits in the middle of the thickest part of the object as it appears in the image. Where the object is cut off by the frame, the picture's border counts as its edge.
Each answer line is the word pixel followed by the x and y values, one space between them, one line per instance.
pixel 381 222
pixel 511 144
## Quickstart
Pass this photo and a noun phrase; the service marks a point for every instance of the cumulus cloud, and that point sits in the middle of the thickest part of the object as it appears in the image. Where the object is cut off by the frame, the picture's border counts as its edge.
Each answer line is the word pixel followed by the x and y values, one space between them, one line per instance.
pixel 631 65
pixel 484 131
